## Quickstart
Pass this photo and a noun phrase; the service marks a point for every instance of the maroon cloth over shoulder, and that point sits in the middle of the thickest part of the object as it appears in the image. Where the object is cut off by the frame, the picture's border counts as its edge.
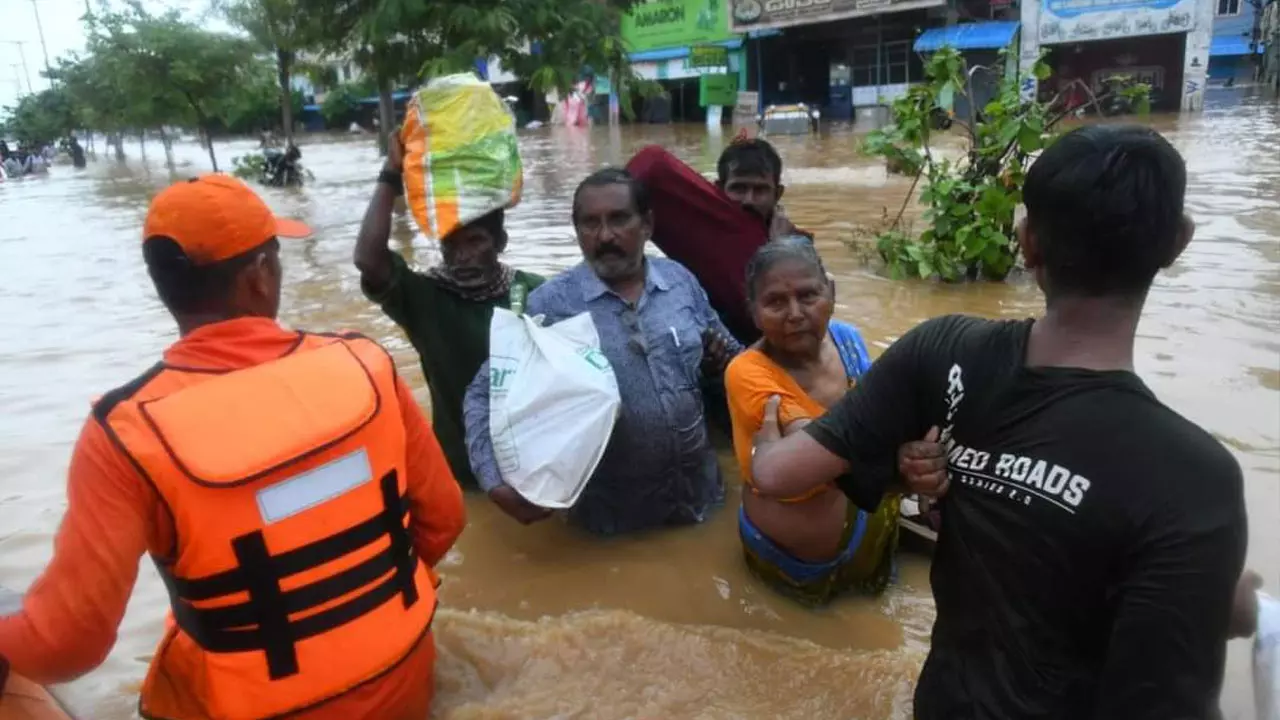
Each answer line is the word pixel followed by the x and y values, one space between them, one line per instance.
pixel 699 227
pixel 4 672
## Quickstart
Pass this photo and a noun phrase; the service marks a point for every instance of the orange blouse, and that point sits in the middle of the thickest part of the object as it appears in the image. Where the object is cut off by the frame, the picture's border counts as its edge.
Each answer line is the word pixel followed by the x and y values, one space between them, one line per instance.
pixel 750 380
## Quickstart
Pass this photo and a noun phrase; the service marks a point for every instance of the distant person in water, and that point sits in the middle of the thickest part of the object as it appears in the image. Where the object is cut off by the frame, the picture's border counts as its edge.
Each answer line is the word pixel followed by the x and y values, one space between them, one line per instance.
pixel 444 311
pixel 77 152
pixel 749 171
pixel 35 163
pixel 13 165
pixel 1092 539
pixel 815 545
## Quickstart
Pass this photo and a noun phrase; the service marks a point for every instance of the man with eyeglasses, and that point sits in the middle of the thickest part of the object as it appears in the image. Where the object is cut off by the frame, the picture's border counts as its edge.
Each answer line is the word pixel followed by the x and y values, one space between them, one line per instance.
pixel 661 336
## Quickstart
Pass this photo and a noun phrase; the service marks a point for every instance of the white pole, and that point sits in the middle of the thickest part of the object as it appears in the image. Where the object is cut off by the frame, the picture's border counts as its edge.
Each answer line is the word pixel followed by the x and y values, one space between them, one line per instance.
pixel 44 48
pixel 26 71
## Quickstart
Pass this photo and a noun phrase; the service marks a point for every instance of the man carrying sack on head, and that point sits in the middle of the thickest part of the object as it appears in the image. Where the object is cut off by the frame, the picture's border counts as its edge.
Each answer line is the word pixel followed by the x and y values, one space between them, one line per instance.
pixel 285 483
pixel 457 164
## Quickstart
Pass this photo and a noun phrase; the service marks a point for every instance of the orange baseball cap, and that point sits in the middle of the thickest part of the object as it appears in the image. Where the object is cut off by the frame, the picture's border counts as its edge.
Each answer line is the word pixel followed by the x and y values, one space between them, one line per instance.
pixel 215 217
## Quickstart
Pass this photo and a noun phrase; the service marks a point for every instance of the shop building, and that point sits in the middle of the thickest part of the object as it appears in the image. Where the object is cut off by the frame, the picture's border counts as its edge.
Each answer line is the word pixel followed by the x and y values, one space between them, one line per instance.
pixel 837 55
pixel 1164 43
pixel 1236 49
pixel 670 42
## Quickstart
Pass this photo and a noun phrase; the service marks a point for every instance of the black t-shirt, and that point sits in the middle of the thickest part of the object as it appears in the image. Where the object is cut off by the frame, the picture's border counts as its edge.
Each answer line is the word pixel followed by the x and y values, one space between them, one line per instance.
pixel 1091 539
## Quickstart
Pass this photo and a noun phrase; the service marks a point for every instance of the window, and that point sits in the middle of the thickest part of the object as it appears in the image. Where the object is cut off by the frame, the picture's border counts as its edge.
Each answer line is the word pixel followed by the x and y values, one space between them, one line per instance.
pixel 866 67
pixel 896 58
pixel 881 65
pixel 1228 7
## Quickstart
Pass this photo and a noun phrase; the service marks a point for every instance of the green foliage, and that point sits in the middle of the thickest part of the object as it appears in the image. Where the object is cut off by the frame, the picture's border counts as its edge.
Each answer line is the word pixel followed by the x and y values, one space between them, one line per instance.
pixel 342 104
pixel 254 105
pixel 104 98
pixel 1130 96
pixel 41 119
pixel 971 202
pixel 147 71
pixel 404 42
pixel 281 28
pixel 900 158
pixel 248 167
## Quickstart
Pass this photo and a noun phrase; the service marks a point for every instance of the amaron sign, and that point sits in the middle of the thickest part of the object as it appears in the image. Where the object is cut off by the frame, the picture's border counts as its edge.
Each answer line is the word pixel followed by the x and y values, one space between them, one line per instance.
pixel 660 24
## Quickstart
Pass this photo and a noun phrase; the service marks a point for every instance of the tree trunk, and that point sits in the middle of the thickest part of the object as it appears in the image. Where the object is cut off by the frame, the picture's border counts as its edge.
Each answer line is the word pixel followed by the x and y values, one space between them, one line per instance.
pixel 117 140
pixel 284 66
pixel 386 112
pixel 208 138
pixel 167 142
pixel 142 144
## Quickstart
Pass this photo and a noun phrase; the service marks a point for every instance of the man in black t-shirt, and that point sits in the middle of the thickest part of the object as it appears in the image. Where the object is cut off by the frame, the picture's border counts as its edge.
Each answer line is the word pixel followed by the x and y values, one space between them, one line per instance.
pixel 1092 537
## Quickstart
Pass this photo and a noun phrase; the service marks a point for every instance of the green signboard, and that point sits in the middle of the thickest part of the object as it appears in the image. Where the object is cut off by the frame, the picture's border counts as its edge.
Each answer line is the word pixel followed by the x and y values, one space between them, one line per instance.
pixel 675 23
pixel 708 56
pixel 718 90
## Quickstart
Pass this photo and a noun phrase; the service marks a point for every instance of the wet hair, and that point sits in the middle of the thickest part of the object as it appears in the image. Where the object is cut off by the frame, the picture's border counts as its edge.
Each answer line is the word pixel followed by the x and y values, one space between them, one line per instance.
pixel 749 157
pixel 792 247
pixel 614 176
pixel 1105 205
pixel 186 288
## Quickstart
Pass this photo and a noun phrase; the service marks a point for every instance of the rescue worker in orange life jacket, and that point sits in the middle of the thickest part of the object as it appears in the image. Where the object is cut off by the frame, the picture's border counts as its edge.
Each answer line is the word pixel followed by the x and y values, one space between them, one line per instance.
pixel 286 484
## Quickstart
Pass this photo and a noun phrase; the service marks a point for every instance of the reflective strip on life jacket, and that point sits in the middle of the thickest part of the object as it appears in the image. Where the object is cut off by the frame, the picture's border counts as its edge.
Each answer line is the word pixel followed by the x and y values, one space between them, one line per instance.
pixel 294 578
pixel 263 621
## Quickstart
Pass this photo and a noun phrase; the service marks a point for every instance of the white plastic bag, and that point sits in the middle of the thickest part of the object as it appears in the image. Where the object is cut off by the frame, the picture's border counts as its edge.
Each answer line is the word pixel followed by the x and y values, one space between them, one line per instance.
pixel 1266 658
pixel 553 401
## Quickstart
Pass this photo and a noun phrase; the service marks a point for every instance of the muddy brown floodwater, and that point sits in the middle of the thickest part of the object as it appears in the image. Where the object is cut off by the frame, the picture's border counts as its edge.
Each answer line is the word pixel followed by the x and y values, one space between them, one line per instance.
pixel 542 622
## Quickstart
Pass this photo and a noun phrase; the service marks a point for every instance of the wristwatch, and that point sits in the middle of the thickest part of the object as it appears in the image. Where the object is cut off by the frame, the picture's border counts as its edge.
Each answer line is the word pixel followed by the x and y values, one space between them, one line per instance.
pixel 392 178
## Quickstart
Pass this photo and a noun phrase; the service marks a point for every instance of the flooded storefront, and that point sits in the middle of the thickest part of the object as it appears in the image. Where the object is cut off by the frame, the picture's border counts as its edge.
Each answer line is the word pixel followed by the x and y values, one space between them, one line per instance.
pixel 837 55
pixel 677 43
pixel 545 622
pixel 1164 43
pixel 851 58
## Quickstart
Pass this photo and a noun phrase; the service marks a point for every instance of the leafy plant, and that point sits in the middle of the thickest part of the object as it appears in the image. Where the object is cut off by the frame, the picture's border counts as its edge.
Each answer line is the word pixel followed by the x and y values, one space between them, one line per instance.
pixel 249 167
pixel 1127 95
pixel 970 202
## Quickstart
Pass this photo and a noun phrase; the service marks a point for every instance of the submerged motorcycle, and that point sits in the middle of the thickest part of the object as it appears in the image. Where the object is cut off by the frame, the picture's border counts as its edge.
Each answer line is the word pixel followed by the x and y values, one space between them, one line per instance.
pixel 282 168
pixel 273 167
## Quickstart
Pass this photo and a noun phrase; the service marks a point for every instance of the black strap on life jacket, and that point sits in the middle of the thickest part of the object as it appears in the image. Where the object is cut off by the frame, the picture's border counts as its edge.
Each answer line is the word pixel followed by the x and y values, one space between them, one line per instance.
pixel 262 623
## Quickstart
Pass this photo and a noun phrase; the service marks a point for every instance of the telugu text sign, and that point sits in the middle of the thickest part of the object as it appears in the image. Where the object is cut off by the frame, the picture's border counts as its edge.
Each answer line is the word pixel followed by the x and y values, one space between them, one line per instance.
pixel 747 15
pixel 1069 21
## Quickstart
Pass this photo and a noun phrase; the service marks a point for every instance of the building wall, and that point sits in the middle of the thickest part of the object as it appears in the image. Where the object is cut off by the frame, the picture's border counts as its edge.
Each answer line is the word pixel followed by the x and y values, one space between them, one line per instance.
pixel 1239 24
pixel 1049 23
pixel 1232 19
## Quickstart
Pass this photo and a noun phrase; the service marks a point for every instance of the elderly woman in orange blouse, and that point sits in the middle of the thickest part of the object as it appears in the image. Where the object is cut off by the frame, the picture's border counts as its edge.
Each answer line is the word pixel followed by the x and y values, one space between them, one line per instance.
pixel 819 545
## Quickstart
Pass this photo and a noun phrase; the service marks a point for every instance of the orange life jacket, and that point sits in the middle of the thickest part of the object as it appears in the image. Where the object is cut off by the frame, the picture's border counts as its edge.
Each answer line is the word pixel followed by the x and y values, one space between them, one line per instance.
pixel 293 578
